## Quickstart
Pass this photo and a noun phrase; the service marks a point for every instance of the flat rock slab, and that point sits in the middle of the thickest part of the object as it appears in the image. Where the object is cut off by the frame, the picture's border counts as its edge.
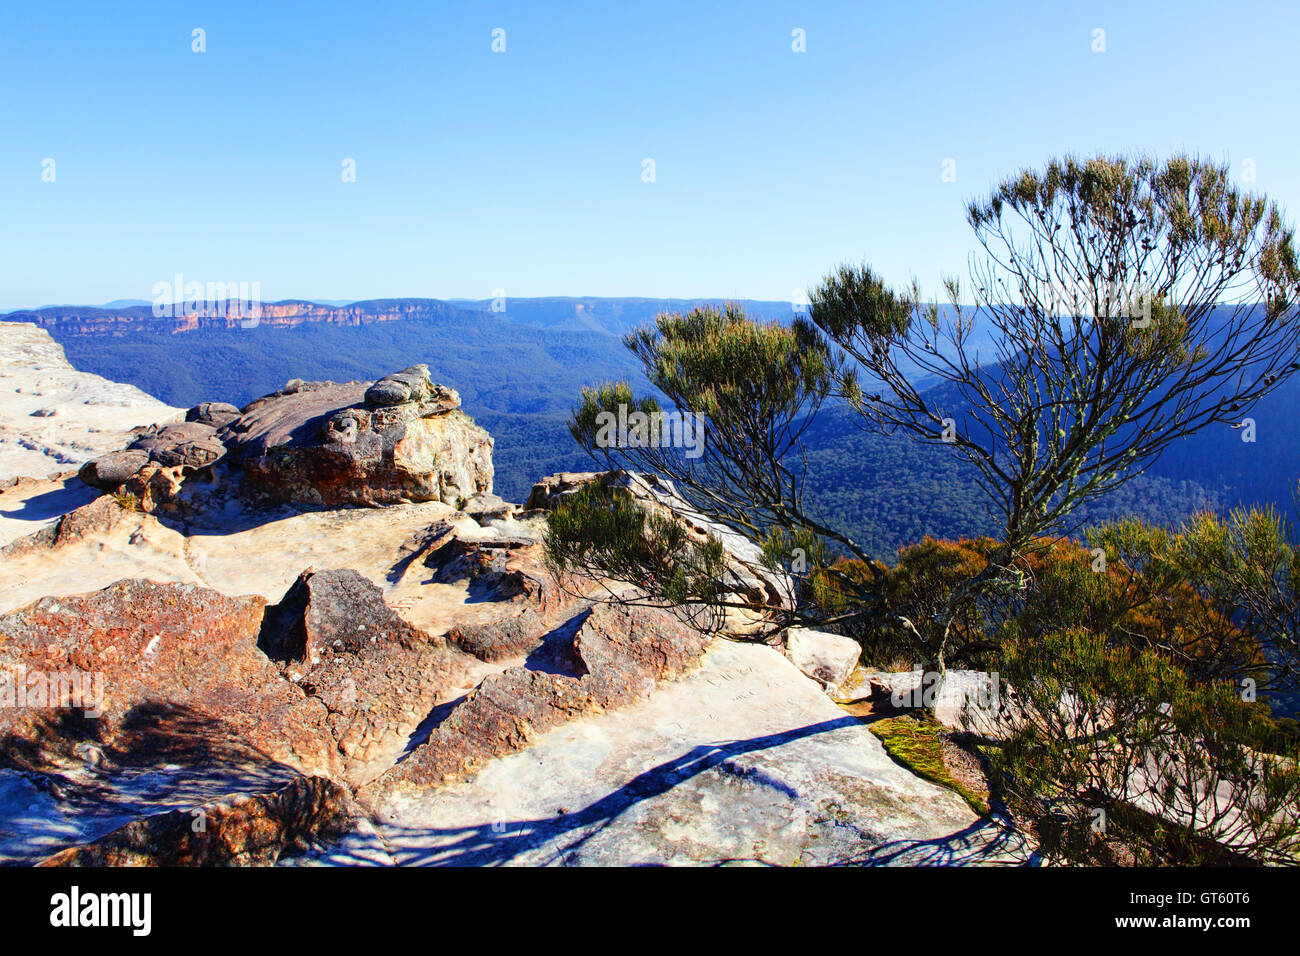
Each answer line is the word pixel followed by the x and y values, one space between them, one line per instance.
pixel 744 761
pixel 53 417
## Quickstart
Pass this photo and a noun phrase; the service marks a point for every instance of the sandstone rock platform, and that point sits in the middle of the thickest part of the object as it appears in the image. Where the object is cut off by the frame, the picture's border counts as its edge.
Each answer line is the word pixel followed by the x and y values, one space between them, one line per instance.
pixel 317 628
pixel 710 769
pixel 53 417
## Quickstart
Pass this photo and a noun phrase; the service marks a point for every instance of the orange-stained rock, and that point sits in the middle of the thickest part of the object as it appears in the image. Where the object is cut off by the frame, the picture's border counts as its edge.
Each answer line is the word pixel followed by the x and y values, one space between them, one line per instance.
pixel 377 676
pixel 121 660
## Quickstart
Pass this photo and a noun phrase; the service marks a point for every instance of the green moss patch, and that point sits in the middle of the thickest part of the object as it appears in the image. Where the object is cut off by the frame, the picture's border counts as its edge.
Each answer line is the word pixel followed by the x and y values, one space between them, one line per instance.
pixel 918 745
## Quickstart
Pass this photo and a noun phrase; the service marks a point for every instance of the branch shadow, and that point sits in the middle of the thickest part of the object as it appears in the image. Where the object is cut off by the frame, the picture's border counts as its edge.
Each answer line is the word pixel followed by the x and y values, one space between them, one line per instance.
pixel 158 757
pixel 503 842
pixel 988 841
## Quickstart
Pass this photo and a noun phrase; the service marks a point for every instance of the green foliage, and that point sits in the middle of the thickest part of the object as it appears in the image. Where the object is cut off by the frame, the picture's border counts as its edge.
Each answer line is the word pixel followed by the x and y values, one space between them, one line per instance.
pixel 600 531
pixel 606 398
pixel 1077 393
pixel 730 368
pixel 1243 568
pixel 1058 583
pixel 1122 673
pixel 754 387
pixel 1187 202
pixel 854 298
pixel 1119 757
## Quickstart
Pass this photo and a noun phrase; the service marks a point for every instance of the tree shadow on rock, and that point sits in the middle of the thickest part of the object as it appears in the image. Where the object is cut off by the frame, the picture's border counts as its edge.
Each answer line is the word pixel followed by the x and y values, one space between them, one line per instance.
pixel 565 834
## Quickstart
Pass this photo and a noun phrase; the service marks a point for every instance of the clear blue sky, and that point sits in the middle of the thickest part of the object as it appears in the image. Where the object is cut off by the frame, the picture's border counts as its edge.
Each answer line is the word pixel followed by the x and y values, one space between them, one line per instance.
pixel 523 170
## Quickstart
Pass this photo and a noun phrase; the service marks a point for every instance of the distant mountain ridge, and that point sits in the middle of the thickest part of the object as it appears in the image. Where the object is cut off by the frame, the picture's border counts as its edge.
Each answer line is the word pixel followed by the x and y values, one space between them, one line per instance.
pixel 87 320
pixel 611 316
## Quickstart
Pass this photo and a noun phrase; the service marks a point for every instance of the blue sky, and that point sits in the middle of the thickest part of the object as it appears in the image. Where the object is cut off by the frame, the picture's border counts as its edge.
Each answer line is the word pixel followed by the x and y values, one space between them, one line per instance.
pixel 522 170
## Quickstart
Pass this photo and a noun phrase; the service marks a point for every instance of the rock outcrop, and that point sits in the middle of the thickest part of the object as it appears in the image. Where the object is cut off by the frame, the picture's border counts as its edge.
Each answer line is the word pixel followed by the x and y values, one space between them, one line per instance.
pixel 216 414
pixel 742 761
pixel 124 661
pixel 400 439
pixel 322 444
pixel 828 659
pixel 189 445
pixel 376 675
pixel 617 655
pixel 967 701
pixel 53 417
pixel 748 578
pixel 109 471
pixel 226 635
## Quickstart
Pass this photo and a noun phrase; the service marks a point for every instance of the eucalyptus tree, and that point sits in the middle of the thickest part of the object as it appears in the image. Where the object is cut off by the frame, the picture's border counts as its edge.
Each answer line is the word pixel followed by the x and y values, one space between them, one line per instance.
pixel 754 388
pixel 1118 305
pixel 1124 305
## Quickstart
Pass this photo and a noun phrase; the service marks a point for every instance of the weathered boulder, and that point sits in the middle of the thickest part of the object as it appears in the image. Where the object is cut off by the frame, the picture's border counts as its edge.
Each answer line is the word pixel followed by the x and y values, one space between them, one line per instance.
pixel 618 655
pixel 331 611
pixel 501 639
pixel 189 446
pixel 141 639
pixel 551 490
pixel 377 676
pixel 487 506
pixel 496 563
pixel 109 471
pixel 125 659
pixel 190 454
pixel 241 830
pixel 408 385
pixel 966 700
pixel 157 488
pixel 320 443
pixel 216 414
pixel 828 659
pixel 155 440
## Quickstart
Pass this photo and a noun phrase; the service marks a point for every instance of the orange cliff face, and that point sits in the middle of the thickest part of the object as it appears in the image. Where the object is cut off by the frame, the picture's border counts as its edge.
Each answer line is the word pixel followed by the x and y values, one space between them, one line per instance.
pixel 91 321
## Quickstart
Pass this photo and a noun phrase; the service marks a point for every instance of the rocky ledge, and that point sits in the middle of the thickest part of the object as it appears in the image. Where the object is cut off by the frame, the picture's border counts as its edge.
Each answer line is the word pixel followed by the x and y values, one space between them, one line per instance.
pixel 223 660
pixel 54 417
pixel 399 439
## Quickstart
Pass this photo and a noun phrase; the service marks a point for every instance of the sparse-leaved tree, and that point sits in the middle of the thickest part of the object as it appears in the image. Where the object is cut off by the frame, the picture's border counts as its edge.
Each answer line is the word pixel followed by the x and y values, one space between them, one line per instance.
pixel 1119 306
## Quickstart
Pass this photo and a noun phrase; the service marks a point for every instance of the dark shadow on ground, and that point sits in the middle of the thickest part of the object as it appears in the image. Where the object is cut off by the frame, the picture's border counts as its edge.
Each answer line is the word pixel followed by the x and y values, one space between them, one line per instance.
pixel 51 504
pixel 506 841
pixel 158 757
